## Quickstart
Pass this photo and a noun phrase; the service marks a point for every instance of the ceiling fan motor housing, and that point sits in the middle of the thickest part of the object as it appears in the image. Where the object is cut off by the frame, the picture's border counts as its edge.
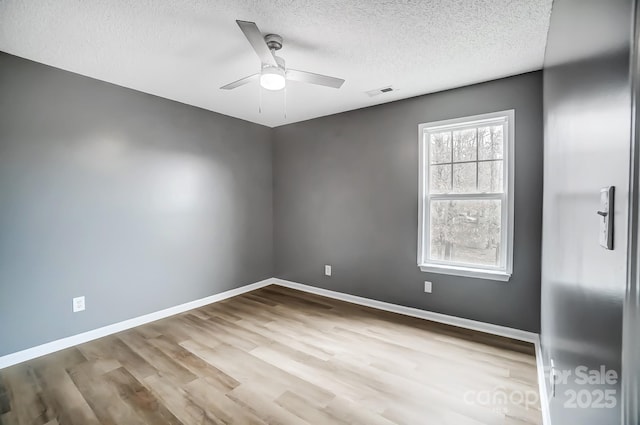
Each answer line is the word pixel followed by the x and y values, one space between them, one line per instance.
pixel 274 41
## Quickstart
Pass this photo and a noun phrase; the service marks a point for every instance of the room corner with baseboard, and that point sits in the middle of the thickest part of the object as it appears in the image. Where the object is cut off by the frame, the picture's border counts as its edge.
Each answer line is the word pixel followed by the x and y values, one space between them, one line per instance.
pixel 297 213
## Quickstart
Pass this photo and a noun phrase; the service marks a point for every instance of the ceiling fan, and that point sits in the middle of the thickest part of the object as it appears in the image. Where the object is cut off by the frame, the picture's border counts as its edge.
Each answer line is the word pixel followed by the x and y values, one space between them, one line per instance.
pixel 274 74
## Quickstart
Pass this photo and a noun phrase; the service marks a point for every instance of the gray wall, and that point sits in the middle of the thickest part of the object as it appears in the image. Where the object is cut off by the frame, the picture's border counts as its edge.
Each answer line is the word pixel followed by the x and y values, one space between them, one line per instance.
pixel 587 99
pixel 136 202
pixel 346 194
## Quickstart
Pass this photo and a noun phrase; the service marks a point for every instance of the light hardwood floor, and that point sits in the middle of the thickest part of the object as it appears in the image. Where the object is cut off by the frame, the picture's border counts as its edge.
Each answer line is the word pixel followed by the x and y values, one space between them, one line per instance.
pixel 279 356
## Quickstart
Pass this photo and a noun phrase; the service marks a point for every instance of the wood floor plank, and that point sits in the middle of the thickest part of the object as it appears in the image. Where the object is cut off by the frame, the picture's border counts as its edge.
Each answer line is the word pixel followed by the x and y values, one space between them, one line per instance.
pixel 353 413
pixel 178 402
pixel 225 311
pixel 196 365
pixel 324 375
pixel 163 364
pixel 246 368
pixel 27 404
pixel 5 401
pixel 61 393
pixel 288 340
pixel 223 335
pixel 103 398
pixel 217 405
pixel 113 348
pixel 262 405
pixel 307 410
pixel 278 356
pixel 8 419
pixel 141 400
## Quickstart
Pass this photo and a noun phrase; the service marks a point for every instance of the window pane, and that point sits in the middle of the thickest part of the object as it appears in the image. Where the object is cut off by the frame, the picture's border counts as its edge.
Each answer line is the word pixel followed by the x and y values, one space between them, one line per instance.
pixel 464 178
pixel 491 142
pixel 440 147
pixel 490 176
pixel 440 178
pixel 464 145
pixel 466 231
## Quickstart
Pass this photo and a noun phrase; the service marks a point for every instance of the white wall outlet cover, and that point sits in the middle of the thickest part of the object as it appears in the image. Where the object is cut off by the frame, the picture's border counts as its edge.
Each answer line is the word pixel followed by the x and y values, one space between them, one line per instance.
pixel 78 304
pixel 327 270
pixel 428 287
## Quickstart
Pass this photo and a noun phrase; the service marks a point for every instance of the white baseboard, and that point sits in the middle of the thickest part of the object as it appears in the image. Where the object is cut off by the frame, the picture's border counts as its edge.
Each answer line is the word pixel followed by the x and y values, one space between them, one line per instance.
pixel 415 312
pixel 61 344
pixel 542 384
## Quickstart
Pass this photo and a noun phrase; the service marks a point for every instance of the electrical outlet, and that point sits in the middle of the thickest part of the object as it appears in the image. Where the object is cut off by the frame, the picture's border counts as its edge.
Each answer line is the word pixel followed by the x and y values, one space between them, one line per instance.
pixel 327 270
pixel 427 287
pixel 78 304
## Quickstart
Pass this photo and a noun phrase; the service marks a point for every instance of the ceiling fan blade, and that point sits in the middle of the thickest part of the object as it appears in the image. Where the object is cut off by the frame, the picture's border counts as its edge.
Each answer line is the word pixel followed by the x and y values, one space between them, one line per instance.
pixel 253 34
pixel 311 78
pixel 241 82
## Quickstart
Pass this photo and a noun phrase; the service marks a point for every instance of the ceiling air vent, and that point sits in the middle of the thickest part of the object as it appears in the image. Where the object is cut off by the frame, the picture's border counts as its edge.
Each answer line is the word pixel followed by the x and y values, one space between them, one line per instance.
pixel 382 90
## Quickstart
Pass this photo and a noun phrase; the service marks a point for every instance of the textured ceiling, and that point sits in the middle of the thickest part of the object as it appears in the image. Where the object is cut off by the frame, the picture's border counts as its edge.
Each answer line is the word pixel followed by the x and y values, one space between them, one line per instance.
pixel 185 50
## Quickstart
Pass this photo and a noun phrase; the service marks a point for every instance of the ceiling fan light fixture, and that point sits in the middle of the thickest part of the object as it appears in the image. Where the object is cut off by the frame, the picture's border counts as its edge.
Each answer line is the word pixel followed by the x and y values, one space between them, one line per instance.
pixel 274 74
pixel 272 78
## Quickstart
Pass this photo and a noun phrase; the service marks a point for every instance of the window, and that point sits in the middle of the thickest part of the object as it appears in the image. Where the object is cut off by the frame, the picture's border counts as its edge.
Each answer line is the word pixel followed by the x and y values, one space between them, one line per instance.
pixel 466 196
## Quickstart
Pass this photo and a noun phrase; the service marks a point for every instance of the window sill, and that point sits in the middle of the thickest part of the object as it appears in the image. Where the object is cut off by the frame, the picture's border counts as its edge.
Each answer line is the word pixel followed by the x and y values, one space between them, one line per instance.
pixel 466 272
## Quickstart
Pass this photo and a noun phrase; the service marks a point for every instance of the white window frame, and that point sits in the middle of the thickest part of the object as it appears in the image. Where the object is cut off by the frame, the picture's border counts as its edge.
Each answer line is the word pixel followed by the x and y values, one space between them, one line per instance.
pixel 504 271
